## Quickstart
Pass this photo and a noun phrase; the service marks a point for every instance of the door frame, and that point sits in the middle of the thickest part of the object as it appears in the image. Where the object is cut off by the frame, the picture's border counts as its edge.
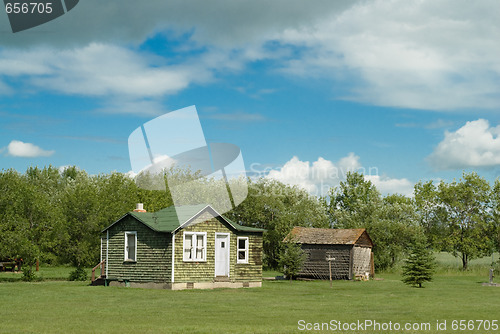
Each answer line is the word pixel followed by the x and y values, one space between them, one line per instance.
pixel 228 239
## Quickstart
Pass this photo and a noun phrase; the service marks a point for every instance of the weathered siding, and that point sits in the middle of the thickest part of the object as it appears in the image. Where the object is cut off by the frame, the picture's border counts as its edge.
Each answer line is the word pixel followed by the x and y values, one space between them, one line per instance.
pixel 316 265
pixel 362 258
pixel 205 271
pixel 153 254
pixel 364 240
pixel 251 271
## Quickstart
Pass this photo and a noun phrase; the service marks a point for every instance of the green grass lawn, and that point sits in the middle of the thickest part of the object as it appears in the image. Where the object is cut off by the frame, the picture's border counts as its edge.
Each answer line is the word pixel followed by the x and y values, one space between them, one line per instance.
pixel 58 273
pixel 448 260
pixel 277 307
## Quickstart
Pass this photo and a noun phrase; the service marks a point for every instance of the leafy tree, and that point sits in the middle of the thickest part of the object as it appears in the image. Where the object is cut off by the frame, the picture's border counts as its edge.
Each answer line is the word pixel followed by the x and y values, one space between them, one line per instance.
pixel 495 198
pixel 80 208
pixel 391 222
pixel 353 201
pixel 116 194
pixel 419 266
pixel 29 219
pixel 431 213
pixel 466 213
pixel 394 230
pixel 277 207
pixel 291 259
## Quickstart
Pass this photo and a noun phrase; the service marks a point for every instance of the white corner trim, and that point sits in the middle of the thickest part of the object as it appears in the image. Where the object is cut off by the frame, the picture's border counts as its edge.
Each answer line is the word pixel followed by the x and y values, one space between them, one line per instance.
pixel 173 256
pixel 107 251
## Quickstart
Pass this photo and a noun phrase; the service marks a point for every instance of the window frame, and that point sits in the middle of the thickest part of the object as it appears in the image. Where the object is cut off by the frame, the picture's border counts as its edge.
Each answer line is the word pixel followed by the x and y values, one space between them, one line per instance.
pixel 126 253
pixel 193 236
pixel 246 250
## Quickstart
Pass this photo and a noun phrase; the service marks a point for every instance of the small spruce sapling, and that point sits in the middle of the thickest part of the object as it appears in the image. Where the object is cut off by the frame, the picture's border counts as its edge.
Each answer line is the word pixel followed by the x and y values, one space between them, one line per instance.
pixel 291 259
pixel 419 266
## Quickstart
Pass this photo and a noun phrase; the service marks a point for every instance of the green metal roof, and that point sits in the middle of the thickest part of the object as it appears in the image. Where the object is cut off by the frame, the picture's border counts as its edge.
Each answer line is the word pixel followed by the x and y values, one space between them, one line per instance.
pixel 173 218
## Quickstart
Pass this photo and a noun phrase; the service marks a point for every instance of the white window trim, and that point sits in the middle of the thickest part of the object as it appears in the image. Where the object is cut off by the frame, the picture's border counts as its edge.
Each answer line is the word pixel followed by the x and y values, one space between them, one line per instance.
pixel 238 249
pixel 193 242
pixel 126 246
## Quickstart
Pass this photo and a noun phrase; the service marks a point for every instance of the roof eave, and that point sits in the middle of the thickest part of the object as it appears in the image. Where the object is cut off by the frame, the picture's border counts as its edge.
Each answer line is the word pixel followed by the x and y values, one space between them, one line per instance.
pixel 138 219
pixel 191 219
pixel 107 228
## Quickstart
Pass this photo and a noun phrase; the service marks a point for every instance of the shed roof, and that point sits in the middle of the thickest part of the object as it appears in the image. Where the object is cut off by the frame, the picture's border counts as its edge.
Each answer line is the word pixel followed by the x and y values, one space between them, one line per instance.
pixel 326 236
pixel 173 218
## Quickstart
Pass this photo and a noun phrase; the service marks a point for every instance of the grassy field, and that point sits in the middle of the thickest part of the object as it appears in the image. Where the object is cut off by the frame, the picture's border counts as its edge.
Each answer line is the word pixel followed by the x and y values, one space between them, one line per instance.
pixel 447 260
pixel 277 307
pixel 51 273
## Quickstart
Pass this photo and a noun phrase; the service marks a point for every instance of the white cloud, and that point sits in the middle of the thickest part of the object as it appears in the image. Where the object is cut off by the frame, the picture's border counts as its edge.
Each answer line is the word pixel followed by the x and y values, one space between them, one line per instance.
pixel 430 54
pixel 349 163
pixel 20 149
pixel 128 82
pixel 434 54
pixel 218 22
pixel 295 172
pixel 475 144
pixel 131 174
pixel 98 70
pixel 387 185
pixel 322 174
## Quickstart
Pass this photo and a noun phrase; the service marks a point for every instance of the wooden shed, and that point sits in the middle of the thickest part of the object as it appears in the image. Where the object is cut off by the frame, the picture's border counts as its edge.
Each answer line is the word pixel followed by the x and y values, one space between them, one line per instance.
pixel 181 248
pixel 351 248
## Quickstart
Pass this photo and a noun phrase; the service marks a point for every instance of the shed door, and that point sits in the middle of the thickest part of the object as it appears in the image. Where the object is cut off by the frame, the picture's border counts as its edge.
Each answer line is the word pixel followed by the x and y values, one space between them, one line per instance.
pixel 222 255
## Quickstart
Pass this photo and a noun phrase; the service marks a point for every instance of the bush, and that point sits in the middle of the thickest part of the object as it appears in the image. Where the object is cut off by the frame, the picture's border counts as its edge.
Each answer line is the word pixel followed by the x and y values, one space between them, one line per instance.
pixel 79 274
pixel 28 274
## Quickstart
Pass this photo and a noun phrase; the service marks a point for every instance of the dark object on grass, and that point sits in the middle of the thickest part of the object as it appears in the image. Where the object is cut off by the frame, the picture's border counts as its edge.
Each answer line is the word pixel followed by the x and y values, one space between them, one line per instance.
pixel 11 264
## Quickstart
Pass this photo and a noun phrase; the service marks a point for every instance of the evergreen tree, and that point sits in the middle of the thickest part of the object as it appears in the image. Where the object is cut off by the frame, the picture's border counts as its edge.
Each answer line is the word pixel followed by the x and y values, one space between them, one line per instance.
pixel 419 266
pixel 291 259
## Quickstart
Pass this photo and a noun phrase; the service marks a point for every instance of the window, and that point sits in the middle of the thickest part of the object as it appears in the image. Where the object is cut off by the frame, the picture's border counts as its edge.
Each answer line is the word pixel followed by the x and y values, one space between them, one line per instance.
pixel 242 252
pixel 130 246
pixel 195 246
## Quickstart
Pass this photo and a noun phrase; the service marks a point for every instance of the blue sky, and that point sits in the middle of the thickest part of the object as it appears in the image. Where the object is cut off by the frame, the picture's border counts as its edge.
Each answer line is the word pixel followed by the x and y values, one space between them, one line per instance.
pixel 403 91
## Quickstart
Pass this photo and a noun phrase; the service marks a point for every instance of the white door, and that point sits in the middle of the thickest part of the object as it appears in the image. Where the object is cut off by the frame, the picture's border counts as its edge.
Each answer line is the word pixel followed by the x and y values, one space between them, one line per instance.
pixel 222 255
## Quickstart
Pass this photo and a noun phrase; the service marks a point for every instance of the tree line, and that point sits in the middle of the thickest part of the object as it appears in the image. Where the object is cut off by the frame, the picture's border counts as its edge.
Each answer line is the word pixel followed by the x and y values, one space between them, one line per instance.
pixel 56 216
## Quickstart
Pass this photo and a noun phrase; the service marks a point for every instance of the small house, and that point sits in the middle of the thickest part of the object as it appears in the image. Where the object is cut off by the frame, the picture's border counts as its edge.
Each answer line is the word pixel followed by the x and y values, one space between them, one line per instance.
pixel 349 250
pixel 185 247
